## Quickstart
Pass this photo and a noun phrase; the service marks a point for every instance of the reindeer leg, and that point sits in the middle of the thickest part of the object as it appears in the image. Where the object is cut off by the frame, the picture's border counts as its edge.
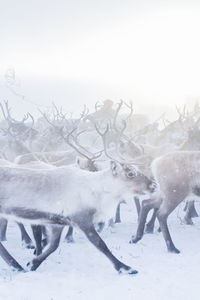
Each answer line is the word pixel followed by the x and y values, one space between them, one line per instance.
pixel 9 259
pixel 193 211
pixel 137 204
pixel 190 212
pixel 150 225
pixel 45 234
pixel 26 240
pixel 186 206
pixel 37 233
pixel 69 235
pixel 88 228
pixel 52 246
pixel 147 205
pixel 3 228
pixel 117 215
pixel 162 218
pixel 95 239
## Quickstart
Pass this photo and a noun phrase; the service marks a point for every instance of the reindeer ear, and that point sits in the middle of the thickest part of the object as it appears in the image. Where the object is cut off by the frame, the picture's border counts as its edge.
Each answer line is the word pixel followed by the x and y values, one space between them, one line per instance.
pixel 115 167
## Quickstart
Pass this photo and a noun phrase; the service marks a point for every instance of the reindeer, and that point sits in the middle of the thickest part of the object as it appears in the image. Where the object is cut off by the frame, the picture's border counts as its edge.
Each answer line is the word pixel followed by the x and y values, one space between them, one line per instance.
pixel 17 134
pixel 55 158
pixel 150 153
pixel 177 176
pixel 35 159
pixel 67 195
pixel 13 144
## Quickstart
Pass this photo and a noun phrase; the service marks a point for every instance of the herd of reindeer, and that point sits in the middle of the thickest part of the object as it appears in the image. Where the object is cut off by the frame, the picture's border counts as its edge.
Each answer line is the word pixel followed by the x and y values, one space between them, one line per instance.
pixel 76 171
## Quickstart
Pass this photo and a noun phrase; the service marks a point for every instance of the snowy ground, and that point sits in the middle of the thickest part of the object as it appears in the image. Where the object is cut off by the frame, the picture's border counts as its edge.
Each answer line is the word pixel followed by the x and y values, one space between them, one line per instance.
pixel 79 271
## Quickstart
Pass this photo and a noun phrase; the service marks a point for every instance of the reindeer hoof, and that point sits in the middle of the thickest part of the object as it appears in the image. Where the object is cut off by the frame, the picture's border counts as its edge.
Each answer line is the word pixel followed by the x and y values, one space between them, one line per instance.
pixel 134 240
pixel 174 250
pixel 29 265
pixel 129 271
pixel 188 221
pixel 37 252
pixel 69 240
pixel 27 245
pixel 33 265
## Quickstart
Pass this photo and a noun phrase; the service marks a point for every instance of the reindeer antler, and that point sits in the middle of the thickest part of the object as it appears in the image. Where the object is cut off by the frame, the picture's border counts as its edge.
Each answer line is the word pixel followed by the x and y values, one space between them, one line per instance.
pixel 103 136
pixel 77 149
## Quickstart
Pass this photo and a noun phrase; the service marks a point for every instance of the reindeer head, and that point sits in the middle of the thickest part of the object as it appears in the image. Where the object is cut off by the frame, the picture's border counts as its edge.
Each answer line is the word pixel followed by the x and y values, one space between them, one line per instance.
pixel 138 182
pixel 87 164
pixel 18 130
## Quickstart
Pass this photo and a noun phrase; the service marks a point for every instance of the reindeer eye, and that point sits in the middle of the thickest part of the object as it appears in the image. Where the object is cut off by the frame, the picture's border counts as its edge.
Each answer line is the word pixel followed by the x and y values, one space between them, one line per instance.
pixel 130 174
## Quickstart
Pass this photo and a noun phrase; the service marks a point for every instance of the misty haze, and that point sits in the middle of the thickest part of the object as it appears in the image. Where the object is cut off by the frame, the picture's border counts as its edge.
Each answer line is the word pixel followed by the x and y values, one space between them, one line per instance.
pixel 100 149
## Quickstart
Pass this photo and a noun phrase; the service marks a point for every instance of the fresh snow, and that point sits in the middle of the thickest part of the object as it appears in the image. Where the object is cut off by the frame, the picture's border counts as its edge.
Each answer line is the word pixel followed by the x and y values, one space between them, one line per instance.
pixel 79 271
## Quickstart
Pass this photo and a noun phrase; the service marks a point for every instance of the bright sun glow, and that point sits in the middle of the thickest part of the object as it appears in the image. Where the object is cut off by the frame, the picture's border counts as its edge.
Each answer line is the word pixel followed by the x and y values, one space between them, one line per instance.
pixel 154 54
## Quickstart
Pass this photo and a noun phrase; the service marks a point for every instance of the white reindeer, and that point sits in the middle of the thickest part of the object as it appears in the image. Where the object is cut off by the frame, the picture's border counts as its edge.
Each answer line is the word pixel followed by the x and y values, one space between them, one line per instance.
pixel 68 195
pixel 177 175
pixel 13 142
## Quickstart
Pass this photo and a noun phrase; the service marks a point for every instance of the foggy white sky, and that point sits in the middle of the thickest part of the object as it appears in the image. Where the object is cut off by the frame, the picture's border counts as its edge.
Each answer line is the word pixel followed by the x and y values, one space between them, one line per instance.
pixel 81 51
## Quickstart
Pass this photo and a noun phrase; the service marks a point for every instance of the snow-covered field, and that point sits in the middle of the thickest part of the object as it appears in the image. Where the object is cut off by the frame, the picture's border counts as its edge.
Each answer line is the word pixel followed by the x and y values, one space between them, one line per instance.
pixel 79 271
